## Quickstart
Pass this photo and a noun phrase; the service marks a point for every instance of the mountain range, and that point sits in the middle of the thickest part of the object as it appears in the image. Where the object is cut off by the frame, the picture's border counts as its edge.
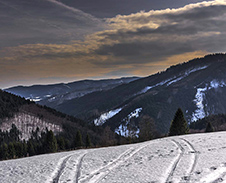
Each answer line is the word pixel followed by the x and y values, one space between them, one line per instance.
pixel 196 86
pixel 55 94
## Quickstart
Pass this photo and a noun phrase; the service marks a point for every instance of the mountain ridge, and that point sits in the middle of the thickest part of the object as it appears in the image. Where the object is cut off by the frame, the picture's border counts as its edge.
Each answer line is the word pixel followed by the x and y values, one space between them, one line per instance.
pixel 175 87
pixel 54 94
pixel 196 86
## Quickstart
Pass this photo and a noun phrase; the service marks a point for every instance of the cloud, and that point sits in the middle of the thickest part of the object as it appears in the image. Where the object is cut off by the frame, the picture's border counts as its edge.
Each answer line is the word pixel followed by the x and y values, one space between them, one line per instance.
pixel 159 34
pixel 140 43
pixel 49 21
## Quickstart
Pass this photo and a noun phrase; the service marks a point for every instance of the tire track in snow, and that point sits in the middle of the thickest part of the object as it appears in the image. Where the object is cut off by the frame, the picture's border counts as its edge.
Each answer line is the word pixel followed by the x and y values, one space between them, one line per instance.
pixel 181 149
pixel 104 171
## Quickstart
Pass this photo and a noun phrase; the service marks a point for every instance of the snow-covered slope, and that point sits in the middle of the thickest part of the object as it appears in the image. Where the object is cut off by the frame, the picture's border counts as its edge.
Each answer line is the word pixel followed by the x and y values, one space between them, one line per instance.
pixel 191 158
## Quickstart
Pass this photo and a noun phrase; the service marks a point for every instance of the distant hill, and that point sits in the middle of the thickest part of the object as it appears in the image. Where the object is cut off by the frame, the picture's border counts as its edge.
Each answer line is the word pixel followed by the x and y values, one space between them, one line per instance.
pixel 55 94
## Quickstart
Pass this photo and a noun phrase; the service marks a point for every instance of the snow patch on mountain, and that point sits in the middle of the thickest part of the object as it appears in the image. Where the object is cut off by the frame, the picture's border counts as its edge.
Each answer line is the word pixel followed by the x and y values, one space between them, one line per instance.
pixel 34 99
pixel 199 98
pixel 135 113
pixel 51 99
pixel 126 129
pixel 187 73
pixel 123 130
pixel 215 84
pixel 104 117
pixel 150 87
pixel 47 96
pixel 175 80
pixel 172 80
pixel 195 69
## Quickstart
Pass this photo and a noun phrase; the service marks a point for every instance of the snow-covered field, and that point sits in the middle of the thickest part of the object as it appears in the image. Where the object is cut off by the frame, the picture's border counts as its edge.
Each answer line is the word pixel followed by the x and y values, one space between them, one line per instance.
pixel 189 158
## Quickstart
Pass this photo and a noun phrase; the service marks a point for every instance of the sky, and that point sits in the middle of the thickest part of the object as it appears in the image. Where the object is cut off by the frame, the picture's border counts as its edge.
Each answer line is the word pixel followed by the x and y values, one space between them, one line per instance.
pixel 49 41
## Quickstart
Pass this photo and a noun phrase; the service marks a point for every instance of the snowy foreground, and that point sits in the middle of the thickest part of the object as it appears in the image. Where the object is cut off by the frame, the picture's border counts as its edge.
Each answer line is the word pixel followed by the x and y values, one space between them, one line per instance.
pixel 190 158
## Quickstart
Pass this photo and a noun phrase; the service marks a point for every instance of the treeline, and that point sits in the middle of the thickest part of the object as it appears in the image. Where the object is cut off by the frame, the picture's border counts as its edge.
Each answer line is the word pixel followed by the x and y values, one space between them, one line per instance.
pixel 217 121
pixel 40 143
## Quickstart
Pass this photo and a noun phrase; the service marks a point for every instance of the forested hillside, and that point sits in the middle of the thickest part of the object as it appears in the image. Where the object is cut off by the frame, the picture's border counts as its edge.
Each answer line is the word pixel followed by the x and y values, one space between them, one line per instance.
pixel 29 129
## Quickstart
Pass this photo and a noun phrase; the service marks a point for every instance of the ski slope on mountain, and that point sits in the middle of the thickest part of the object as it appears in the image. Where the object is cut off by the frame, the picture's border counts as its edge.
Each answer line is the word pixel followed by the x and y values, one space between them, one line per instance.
pixel 197 158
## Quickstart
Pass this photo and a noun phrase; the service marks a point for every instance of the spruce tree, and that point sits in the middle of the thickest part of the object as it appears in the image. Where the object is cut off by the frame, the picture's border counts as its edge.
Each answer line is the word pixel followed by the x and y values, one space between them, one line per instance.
pixel 30 148
pixel 78 139
pixel 61 143
pixel 11 150
pixel 209 127
pixel 25 149
pixel 18 149
pixel 51 142
pixel 88 141
pixel 4 151
pixel 14 133
pixel 179 125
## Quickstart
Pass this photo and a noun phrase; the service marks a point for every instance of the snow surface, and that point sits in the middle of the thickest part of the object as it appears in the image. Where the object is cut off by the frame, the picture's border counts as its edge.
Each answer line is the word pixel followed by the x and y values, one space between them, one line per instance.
pixel 197 158
pixel 104 117
pixel 123 129
pixel 199 99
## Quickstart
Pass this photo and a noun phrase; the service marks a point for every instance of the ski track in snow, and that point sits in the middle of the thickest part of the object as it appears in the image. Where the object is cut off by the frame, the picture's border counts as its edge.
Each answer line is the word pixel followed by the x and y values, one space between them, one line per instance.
pixel 195 154
pixel 185 149
pixel 99 174
pixel 174 166
pixel 61 169
pixel 79 168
